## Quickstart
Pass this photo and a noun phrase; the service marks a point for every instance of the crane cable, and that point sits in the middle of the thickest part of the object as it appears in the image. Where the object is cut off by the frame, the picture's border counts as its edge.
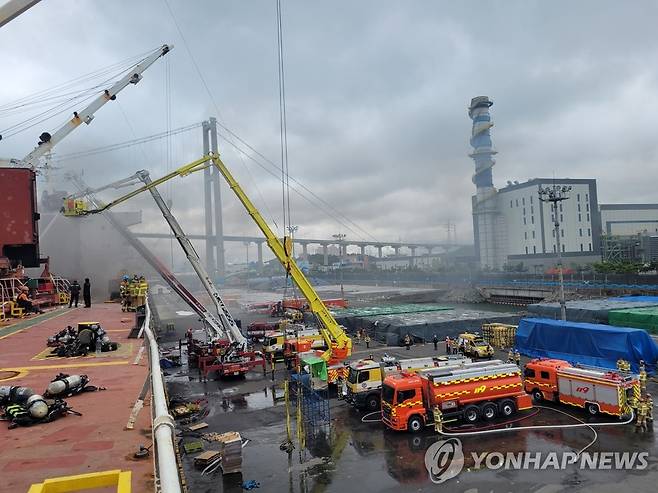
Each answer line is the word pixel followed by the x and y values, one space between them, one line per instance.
pixel 283 124
pixel 47 94
pixel 67 104
pixel 232 138
pixel 215 105
pixel 169 148
pixel 122 145
pixel 283 141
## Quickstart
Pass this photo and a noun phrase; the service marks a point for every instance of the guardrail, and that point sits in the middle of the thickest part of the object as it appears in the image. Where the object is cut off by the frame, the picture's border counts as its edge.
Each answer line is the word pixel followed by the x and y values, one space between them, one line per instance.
pixel 567 284
pixel 166 466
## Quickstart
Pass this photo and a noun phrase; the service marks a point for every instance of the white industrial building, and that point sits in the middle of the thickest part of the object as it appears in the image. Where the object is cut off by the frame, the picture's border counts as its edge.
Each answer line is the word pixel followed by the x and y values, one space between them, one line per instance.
pixel 511 225
pixel 629 219
pixel 525 230
pixel 529 223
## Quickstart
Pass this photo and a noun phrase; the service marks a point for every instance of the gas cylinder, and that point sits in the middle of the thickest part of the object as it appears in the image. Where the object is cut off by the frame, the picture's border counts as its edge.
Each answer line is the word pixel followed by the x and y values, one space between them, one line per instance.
pixel 14 395
pixel 37 407
pixel 64 386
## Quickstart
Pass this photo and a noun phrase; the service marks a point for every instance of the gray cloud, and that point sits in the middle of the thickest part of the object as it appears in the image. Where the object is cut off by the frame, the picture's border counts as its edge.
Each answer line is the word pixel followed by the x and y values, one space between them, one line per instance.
pixel 377 95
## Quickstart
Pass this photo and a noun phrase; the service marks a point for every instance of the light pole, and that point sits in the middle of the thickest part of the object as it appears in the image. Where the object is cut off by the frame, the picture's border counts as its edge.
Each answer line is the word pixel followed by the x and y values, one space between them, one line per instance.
pixel 340 237
pixel 554 195
pixel 246 243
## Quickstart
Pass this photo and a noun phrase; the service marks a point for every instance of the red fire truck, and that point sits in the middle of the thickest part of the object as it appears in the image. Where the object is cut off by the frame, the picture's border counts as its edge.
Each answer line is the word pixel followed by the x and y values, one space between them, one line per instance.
pixel 597 390
pixel 473 392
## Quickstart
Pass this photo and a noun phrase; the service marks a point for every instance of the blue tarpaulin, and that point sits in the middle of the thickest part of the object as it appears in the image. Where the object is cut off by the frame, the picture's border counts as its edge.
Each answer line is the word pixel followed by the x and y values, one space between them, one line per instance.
pixel 585 343
pixel 643 299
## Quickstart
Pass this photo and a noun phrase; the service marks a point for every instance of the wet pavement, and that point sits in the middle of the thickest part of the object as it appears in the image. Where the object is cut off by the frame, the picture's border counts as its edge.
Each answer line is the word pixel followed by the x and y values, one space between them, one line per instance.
pixel 350 455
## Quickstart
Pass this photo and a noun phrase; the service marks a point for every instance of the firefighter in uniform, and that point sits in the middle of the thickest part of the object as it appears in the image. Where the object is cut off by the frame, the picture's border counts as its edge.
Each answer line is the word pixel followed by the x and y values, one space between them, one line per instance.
pixel 633 403
pixel 438 419
pixel 124 292
pixel 510 356
pixel 649 400
pixel 620 364
pixel 642 411
pixel 517 358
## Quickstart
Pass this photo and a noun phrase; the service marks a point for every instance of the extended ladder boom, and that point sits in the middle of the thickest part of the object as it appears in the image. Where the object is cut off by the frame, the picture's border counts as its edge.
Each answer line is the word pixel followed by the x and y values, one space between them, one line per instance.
pixel 338 342
pixel 125 182
pixel 213 324
pixel 231 328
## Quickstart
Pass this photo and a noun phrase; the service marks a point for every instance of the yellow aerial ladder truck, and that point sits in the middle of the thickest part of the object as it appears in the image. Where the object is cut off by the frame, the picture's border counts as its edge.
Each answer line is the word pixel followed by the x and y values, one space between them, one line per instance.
pixel 339 344
pixel 228 353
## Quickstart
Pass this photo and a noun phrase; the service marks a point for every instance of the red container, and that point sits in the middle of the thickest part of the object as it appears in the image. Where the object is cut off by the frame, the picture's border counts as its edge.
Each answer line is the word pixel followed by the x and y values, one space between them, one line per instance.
pixel 19 231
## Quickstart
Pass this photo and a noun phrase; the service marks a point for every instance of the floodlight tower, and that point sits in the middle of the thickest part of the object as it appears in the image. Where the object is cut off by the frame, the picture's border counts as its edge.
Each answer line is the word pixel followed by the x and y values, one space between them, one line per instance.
pixel 555 195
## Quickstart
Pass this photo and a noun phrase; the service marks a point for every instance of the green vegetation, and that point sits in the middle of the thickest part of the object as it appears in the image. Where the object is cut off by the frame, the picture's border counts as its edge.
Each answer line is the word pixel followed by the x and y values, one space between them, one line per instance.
pixel 623 267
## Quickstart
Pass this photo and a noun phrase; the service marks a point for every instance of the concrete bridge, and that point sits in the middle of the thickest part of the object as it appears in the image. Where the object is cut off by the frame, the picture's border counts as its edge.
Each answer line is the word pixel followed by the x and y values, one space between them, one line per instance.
pixel 428 247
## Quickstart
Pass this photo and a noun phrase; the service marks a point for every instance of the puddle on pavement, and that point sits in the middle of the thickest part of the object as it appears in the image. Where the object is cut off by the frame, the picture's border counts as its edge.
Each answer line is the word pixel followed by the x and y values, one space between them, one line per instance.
pixel 229 400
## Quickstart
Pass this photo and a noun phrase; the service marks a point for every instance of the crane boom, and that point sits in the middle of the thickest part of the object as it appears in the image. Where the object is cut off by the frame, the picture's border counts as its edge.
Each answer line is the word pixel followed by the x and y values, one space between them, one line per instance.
pixel 338 342
pixel 212 323
pixel 86 115
pixel 231 328
pixel 226 325
pixel 125 182
pixel 185 170
pixel 13 8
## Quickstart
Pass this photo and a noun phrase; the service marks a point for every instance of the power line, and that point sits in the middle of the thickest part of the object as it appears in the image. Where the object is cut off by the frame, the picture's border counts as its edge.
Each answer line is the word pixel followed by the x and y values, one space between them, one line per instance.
pixel 283 125
pixel 252 149
pixel 80 96
pixel 127 62
pixel 123 145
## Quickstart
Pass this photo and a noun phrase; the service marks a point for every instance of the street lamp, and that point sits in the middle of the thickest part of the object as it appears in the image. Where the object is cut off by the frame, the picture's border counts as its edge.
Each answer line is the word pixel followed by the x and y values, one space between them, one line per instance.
pixel 246 243
pixel 340 237
pixel 554 195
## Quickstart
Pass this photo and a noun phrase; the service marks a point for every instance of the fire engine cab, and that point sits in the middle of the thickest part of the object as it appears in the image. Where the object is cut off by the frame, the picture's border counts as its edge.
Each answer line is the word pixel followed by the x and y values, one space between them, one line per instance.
pixel 597 390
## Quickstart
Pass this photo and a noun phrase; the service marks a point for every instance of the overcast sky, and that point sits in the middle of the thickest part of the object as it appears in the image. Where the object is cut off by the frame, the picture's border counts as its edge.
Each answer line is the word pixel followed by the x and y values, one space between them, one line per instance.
pixel 377 93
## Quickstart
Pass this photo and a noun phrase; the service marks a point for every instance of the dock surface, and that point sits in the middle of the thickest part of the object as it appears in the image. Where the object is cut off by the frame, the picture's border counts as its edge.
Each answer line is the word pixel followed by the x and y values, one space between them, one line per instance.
pixel 97 440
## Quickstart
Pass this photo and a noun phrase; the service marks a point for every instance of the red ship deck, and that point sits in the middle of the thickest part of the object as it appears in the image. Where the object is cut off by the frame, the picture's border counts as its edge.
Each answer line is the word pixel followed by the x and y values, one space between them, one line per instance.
pixel 97 440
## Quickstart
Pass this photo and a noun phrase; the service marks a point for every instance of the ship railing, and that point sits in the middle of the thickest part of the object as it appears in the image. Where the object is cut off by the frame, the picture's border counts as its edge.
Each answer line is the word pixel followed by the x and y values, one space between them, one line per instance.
pixel 9 289
pixel 61 284
pixel 165 464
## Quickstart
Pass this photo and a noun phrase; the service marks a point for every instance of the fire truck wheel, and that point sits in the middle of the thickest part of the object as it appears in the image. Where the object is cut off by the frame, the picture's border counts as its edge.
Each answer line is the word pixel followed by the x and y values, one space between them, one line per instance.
pixel 471 413
pixel 592 409
pixel 372 403
pixel 489 411
pixel 507 408
pixel 415 424
pixel 537 395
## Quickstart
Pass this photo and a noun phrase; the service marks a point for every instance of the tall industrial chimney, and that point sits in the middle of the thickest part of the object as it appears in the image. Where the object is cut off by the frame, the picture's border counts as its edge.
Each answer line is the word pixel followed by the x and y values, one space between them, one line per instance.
pixel 484 201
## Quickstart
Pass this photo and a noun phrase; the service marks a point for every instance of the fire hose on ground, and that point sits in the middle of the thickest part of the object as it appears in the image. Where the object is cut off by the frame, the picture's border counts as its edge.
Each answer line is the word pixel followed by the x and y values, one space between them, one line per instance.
pixel 581 424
